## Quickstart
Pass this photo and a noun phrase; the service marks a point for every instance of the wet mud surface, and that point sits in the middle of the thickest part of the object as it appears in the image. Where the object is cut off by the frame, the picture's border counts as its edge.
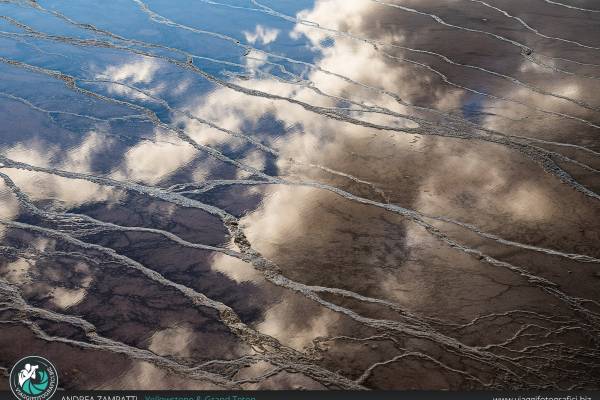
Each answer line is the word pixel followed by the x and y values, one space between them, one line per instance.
pixel 272 194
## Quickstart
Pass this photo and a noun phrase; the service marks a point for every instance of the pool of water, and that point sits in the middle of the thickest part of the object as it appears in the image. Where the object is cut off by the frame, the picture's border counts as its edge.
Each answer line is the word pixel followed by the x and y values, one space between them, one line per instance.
pixel 329 194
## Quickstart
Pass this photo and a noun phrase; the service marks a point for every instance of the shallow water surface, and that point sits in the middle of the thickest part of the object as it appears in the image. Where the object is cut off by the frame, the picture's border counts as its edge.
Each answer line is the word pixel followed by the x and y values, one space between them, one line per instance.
pixel 329 194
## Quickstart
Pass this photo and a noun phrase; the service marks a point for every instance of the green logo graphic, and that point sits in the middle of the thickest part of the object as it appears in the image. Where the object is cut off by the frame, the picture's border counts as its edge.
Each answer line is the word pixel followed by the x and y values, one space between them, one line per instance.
pixel 33 378
pixel 34 389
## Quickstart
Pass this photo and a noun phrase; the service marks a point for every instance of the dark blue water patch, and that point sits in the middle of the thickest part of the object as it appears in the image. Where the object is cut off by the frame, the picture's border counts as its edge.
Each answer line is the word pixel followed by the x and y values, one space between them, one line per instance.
pixel 7 27
pixel 246 26
pixel 327 42
pixel 238 200
pixel 52 94
pixel 40 21
pixel 201 16
pixel 128 20
pixel 472 108
pixel 265 129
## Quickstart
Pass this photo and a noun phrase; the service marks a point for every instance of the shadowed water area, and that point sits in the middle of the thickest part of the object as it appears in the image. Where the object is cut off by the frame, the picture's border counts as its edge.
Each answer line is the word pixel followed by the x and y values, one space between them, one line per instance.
pixel 329 194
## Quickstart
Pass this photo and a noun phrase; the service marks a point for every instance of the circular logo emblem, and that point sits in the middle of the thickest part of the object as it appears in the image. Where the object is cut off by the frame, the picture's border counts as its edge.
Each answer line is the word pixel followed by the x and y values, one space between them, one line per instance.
pixel 33 378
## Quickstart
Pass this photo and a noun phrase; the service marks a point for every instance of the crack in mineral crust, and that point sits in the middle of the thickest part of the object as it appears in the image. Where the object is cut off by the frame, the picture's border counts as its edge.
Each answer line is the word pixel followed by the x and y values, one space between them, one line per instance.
pixel 532 352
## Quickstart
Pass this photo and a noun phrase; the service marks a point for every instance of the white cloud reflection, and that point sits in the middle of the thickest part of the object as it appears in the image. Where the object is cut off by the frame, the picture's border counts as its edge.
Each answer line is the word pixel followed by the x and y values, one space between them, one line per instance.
pixel 261 34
